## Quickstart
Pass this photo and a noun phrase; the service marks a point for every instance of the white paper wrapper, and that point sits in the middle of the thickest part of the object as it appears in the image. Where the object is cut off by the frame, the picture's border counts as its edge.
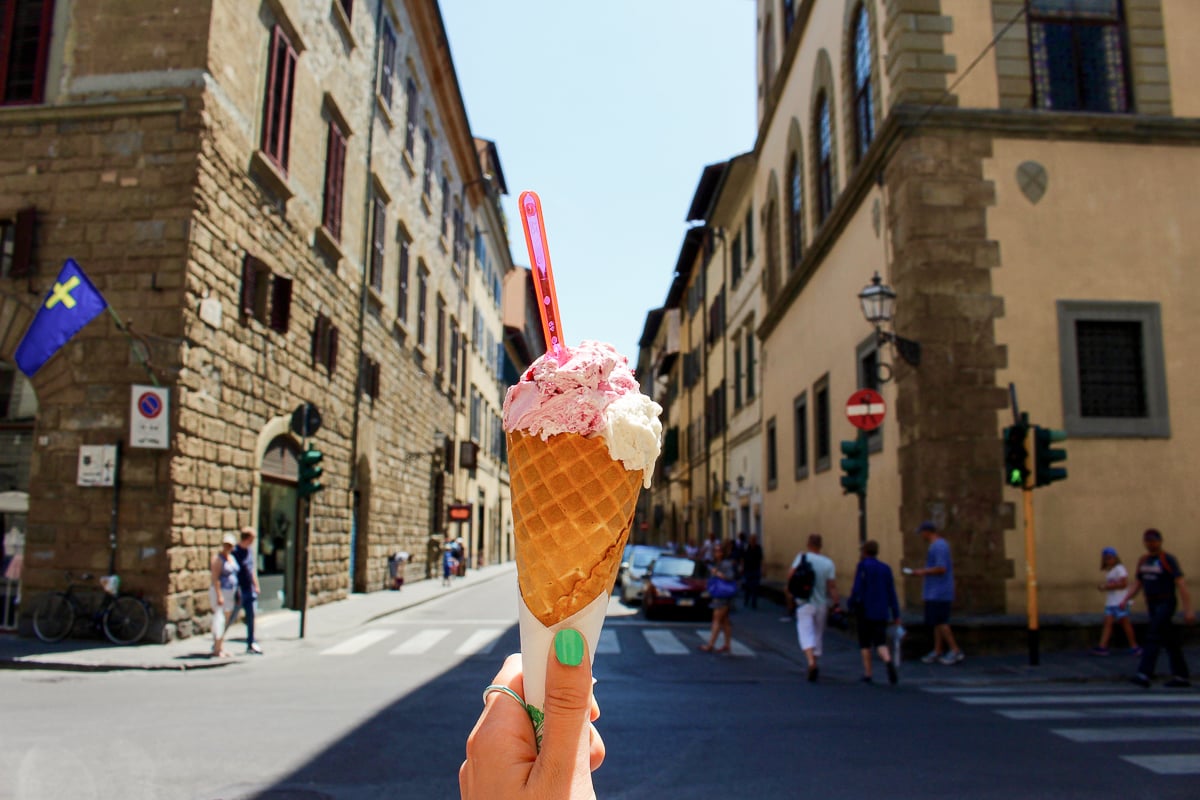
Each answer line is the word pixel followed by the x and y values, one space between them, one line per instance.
pixel 537 641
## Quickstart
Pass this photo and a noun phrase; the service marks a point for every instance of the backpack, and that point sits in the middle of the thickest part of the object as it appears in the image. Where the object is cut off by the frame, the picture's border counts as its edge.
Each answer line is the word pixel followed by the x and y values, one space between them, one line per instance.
pixel 804 577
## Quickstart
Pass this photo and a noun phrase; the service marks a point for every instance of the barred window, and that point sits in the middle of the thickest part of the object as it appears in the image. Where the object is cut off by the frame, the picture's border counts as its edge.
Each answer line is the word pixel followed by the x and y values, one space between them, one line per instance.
pixel 1112 379
pixel 824 158
pixel 1078 54
pixel 864 103
pixel 1113 369
pixel 795 213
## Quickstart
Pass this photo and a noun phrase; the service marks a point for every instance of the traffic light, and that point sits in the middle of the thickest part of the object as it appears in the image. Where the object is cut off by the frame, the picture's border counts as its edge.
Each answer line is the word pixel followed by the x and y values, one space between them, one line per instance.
pixel 1045 456
pixel 1016 455
pixel 855 466
pixel 310 473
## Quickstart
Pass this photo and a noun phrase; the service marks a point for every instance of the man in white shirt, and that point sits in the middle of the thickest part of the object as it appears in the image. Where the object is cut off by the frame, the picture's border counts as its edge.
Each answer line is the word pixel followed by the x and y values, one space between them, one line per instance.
pixel 811 611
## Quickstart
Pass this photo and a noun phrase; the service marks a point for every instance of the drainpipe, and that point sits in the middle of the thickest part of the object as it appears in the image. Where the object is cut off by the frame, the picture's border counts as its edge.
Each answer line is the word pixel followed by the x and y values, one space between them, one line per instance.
pixel 720 234
pixel 368 222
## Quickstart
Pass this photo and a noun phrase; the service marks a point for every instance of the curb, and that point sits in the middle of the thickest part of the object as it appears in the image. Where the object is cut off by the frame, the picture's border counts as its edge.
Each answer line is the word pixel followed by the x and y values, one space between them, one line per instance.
pixel 449 590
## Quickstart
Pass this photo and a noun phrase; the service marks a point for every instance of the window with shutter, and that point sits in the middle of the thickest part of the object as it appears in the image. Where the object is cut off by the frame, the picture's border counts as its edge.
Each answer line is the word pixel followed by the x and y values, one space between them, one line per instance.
pixel 378 235
pixel 335 169
pixel 277 109
pixel 387 63
pixel 17 238
pixel 410 100
pixel 25 28
pixel 256 285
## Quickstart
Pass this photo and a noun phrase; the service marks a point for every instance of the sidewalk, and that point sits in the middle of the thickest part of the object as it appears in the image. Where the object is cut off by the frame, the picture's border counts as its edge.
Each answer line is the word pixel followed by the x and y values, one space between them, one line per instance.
pixel 842 661
pixel 277 632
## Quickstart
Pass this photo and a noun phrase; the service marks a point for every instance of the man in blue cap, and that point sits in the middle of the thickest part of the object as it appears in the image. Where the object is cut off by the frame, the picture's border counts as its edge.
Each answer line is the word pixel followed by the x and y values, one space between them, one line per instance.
pixel 938 593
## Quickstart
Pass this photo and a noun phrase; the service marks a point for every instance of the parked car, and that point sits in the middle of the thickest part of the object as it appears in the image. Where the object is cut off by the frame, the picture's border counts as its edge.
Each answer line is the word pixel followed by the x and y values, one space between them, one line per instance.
pixel 633 568
pixel 675 584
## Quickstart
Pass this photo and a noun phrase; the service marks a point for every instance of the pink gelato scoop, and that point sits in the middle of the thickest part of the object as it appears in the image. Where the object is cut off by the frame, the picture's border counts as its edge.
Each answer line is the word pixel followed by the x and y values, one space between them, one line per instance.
pixel 592 392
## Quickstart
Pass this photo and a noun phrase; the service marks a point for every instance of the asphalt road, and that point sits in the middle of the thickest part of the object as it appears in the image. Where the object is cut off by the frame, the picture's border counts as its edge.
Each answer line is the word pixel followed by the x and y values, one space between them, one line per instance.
pixel 382 711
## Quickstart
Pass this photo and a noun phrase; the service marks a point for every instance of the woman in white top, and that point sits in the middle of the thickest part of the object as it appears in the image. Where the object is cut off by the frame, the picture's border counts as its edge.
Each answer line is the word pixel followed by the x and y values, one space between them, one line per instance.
pixel 221 590
pixel 1116 578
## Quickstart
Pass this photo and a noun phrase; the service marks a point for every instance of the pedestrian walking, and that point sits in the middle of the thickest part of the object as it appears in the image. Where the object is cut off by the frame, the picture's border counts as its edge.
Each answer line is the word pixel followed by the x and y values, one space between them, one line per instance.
pixel 752 561
pixel 938 593
pixel 222 583
pixel 725 569
pixel 396 564
pixel 247 587
pixel 449 563
pixel 874 603
pixel 812 586
pixel 1159 575
pixel 1116 581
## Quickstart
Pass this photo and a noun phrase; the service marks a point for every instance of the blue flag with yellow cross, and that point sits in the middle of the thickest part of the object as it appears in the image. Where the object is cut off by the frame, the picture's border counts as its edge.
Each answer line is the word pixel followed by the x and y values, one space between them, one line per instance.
pixel 71 304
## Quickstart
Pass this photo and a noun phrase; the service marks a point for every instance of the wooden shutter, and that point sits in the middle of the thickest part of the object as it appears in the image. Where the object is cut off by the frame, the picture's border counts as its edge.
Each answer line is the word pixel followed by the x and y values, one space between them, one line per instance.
pixel 24 238
pixel 318 338
pixel 249 286
pixel 335 169
pixel 277 109
pixel 281 303
pixel 333 348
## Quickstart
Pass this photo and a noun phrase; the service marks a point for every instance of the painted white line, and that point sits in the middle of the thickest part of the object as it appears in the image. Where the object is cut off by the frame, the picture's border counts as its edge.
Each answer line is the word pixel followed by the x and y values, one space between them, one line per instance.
pixel 739 649
pixel 479 642
pixel 388 621
pixel 665 643
pixel 357 643
pixel 608 644
pixel 420 642
pixel 1043 714
pixel 1168 765
pixel 1074 699
pixel 1143 734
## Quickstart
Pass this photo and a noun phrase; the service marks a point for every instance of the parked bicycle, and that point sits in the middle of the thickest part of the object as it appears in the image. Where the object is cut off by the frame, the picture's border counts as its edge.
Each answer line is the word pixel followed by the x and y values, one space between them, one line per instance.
pixel 124 618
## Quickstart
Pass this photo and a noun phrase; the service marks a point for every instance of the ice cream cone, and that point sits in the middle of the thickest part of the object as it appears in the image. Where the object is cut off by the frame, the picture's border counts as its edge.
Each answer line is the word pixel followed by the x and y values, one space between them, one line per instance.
pixel 573 505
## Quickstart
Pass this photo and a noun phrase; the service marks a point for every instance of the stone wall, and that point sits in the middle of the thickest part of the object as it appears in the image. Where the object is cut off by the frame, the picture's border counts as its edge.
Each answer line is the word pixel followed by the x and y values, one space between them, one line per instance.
pixel 947 409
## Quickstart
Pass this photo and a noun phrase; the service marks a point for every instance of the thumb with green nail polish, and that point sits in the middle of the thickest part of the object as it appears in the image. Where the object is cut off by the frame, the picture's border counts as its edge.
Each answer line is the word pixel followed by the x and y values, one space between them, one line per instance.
pixel 567 733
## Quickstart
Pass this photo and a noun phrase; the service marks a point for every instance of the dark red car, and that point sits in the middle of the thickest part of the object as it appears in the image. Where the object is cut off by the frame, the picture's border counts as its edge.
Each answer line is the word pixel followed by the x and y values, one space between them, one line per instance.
pixel 675 584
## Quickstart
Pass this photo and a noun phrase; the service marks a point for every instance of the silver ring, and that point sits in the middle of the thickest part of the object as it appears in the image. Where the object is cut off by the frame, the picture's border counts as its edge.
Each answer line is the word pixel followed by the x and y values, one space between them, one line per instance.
pixel 495 687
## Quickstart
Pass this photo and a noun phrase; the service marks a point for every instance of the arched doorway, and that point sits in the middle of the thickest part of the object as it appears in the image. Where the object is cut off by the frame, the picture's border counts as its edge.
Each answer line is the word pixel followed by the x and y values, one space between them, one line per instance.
pixel 18 414
pixel 277 522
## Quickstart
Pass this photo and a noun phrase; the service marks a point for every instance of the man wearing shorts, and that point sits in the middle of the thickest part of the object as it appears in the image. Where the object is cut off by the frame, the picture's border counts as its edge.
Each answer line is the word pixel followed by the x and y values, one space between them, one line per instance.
pixel 938 593
pixel 811 612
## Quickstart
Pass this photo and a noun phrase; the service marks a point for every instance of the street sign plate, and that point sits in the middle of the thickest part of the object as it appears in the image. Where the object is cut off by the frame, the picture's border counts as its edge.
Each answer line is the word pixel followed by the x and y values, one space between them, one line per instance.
pixel 865 409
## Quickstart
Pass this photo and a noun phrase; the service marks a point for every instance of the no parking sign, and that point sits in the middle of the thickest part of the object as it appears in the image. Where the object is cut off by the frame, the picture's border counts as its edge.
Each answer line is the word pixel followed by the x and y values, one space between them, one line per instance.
pixel 148 417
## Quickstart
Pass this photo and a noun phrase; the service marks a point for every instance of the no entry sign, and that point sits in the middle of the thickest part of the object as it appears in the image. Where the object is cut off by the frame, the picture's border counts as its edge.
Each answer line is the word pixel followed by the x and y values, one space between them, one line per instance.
pixel 865 409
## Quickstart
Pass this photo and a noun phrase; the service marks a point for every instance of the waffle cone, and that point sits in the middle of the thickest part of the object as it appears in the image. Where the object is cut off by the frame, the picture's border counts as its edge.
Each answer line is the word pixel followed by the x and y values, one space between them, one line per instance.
pixel 572 509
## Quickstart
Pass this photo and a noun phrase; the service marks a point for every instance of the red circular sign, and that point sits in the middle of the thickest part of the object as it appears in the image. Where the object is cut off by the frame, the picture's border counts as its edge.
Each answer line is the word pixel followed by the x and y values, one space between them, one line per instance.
pixel 865 409
pixel 149 405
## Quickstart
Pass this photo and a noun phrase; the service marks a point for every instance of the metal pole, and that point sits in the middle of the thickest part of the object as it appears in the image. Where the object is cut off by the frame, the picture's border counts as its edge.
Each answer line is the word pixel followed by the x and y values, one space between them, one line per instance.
pixel 302 578
pixel 1031 567
pixel 112 530
pixel 862 496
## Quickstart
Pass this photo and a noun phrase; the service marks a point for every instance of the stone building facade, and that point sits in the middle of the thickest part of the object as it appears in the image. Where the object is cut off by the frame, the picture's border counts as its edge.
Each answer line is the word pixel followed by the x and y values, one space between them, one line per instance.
pixel 285 203
pixel 1028 206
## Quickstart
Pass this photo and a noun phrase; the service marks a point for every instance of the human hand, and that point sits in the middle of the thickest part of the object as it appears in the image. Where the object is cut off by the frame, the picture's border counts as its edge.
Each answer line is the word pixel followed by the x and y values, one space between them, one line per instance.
pixel 503 762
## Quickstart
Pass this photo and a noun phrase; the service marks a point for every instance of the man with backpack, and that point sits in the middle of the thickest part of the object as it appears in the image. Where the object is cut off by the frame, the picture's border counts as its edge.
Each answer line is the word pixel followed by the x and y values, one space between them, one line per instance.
pixel 1158 573
pixel 812 587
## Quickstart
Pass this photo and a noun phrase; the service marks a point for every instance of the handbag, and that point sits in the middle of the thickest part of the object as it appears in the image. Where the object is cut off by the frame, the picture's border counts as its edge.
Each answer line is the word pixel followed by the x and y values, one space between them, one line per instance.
pixel 720 588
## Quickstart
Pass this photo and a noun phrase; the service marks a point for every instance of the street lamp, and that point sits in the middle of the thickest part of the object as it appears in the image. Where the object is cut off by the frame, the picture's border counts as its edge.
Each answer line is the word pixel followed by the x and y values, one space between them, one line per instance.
pixel 439 449
pixel 878 301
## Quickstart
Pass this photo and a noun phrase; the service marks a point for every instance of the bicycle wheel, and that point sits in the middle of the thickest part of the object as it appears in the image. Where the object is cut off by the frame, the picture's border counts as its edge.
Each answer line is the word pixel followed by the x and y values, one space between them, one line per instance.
pixel 54 617
pixel 126 620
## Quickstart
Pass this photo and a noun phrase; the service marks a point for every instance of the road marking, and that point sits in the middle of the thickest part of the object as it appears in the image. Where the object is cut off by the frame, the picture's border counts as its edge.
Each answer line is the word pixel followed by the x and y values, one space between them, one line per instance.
pixel 1168 765
pixel 665 643
pixel 1052 689
pixel 1143 734
pixel 608 644
pixel 739 649
pixel 421 642
pixel 1098 713
pixel 357 643
pixel 479 642
pixel 1077 699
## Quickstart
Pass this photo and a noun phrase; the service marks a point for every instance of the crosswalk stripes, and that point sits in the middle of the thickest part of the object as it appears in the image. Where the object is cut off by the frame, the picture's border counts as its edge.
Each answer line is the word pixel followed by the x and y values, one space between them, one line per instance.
pixel 421 642
pixel 1106 706
pixel 483 640
pixel 358 643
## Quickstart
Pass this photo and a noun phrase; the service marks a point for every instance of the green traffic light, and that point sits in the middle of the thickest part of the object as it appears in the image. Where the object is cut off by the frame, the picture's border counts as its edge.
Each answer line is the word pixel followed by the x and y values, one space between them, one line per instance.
pixel 1015 478
pixel 310 473
pixel 856 467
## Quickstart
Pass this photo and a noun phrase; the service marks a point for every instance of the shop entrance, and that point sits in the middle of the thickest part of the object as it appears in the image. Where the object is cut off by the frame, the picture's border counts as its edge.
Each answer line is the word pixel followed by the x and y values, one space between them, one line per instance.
pixel 277 518
pixel 18 413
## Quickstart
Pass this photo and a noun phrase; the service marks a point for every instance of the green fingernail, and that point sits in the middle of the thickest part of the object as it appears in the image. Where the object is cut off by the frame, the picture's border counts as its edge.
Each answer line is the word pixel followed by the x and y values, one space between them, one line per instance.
pixel 568 647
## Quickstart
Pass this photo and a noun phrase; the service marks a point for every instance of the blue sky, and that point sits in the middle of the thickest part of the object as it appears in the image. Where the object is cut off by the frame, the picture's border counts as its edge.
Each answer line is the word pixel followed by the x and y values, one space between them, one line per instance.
pixel 609 111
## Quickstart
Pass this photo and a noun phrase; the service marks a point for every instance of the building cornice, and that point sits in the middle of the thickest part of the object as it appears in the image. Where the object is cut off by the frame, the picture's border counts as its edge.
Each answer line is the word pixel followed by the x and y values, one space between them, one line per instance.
pixel 72 112
pixel 907 120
